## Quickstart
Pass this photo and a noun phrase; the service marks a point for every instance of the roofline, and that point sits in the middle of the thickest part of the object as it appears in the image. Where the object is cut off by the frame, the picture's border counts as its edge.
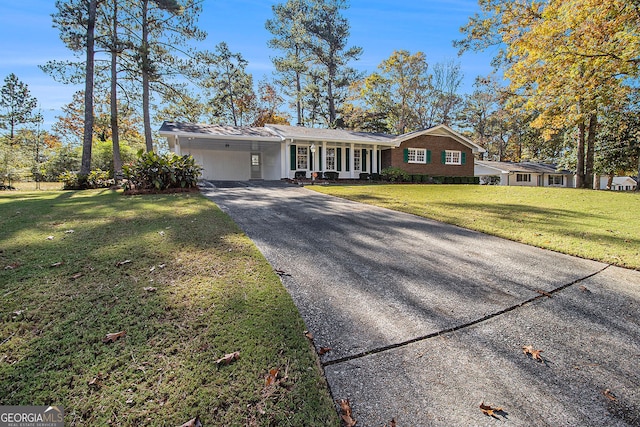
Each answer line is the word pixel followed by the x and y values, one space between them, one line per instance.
pixel 389 143
pixel 455 135
pixel 195 135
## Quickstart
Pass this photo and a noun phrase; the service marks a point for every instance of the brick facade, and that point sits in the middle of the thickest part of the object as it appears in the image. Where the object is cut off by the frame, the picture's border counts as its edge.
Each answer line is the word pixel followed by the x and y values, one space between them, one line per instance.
pixel 436 144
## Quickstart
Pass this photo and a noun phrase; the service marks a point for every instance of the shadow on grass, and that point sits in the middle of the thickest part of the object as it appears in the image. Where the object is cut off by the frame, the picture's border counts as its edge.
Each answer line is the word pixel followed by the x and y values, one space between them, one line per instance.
pixel 185 284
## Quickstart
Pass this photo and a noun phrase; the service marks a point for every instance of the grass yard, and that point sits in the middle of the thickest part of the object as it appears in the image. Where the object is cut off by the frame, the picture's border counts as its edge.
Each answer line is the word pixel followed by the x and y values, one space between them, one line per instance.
pixel 186 285
pixel 599 225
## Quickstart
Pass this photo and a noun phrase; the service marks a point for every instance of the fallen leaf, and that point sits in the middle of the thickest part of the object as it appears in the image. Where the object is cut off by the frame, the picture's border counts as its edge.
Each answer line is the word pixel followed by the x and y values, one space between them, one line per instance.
pixel 119 263
pixel 309 335
pixel 113 337
pixel 272 377
pixel 584 289
pixel 193 422
pixel 392 423
pixel 546 294
pixel 56 264
pixel 324 350
pixel 162 265
pixel 12 266
pixel 535 354
pixel 96 382
pixel 152 269
pixel 150 289
pixel 228 358
pixel 488 410
pixel 49 237
pixel 76 276
pixel 161 233
pixel 69 231
pixel 609 395
pixel 346 415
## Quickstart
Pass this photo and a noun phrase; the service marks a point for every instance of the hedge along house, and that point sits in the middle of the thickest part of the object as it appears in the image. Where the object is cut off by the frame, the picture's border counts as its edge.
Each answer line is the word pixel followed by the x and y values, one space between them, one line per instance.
pixel 276 152
pixel 438 151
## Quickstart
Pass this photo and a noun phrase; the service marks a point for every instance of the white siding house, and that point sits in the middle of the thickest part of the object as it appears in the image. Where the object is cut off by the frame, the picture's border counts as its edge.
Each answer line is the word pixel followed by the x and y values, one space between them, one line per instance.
pixel 524 174
pixel 275 152
pixel 619 183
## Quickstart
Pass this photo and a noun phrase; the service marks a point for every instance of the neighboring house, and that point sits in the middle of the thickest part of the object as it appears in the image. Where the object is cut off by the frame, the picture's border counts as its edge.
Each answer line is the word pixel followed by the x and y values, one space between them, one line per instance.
pixel 438 151
pixel 276 152
pixel 523 174
pixel 619 183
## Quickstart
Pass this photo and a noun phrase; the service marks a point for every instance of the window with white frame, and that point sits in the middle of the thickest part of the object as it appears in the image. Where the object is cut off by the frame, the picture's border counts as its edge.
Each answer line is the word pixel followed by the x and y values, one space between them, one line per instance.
pixel 453 157
pixel 417 155
pixel 331 159
pixel 357 156
pixel 302 158
pixel 523 177
pixel 556 180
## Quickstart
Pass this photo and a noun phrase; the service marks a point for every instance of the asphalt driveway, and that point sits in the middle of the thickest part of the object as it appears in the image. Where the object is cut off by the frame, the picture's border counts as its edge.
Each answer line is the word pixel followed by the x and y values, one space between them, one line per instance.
pixel 425 320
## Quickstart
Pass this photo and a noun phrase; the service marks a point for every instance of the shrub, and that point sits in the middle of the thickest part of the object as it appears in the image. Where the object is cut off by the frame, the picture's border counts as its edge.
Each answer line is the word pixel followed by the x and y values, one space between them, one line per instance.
pixel 333 176
pixel 152 171
pixel 394 175
pixel 95 179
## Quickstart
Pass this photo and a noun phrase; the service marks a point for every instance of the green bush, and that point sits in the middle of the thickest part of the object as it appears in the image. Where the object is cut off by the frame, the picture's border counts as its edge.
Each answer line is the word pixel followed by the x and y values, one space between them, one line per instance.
pixel 394 175
pixel 152 171
pixel 95 179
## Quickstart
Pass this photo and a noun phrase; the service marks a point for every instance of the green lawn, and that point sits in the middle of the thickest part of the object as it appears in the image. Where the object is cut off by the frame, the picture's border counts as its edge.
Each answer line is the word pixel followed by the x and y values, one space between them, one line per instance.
pixel 599 225
pixel 74 267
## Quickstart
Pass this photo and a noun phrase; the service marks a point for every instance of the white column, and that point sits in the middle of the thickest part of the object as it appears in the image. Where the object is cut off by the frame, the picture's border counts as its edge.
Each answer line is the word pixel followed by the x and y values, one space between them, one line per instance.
pixel 324 154
pixel 353 151
pixel 285 160
pixel 374 160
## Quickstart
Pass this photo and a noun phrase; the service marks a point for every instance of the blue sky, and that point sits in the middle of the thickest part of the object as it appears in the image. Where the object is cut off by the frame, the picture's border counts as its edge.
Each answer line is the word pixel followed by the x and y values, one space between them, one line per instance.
pixel 378 26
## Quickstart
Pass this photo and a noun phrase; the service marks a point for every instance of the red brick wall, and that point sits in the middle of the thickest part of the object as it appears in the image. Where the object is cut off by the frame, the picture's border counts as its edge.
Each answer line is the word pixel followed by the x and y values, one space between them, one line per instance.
pixel 437 144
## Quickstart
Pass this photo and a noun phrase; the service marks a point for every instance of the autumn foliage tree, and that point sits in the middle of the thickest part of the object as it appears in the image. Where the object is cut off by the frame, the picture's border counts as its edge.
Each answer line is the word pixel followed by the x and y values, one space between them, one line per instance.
pixel 567 60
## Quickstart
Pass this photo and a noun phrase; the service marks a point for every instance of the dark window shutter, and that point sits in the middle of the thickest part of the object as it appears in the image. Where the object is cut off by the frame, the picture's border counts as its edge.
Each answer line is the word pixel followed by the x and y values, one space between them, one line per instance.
pixel 444 157
pixel 405 153
pixel 339 159
pixel 463 158
pixel 319 158
pixel 363 164
pixel 347 159
pixel 428 156
pixel 294 153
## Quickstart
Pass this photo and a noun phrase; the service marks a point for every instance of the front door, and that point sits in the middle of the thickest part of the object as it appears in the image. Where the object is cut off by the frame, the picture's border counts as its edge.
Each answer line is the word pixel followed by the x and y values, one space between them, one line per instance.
pixel 256 166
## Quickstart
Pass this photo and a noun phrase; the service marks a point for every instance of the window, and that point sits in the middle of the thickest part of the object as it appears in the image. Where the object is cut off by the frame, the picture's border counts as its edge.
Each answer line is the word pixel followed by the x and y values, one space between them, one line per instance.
pixel 331 158
pixel 417 155
pixel 523 177
pixel 556 180
pixel 357 155
pixel 453 157
pixel 302 158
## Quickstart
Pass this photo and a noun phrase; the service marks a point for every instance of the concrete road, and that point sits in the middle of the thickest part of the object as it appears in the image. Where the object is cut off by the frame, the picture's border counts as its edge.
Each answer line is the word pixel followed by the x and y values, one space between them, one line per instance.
pixel 426 321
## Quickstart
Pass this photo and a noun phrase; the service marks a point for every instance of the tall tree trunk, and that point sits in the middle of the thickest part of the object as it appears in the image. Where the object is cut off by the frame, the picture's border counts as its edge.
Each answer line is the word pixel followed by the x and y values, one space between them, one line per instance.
pixel 332 102
pixel 299 100
pixel 580 178
pixel 591 143
pixel 144 50
pixel 638 176
pixel 117 161
pixel 85 166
